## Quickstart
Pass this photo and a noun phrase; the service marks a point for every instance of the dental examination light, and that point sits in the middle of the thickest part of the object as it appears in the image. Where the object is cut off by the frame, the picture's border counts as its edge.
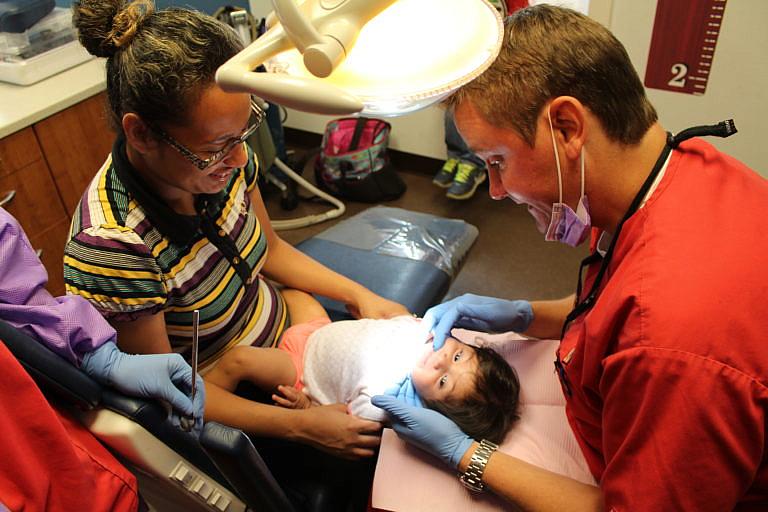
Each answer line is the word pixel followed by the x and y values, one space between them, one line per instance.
pixel 375 57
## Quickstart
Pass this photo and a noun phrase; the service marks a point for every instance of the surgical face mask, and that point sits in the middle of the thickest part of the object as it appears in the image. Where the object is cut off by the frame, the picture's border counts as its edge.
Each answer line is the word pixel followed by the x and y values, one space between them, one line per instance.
pixel 567 226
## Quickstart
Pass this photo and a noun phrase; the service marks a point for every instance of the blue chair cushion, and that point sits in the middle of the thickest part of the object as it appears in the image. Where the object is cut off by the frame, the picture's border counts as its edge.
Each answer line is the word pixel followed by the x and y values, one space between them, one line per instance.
pixel 405 256
pixel 415 284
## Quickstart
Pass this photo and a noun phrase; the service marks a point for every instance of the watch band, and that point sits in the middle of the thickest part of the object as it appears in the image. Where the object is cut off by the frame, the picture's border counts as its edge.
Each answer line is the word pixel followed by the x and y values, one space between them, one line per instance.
pixel 472 478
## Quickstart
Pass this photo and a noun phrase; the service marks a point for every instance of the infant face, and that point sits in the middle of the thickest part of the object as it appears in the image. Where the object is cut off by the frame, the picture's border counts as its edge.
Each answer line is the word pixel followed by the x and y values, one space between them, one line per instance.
pixel 448 373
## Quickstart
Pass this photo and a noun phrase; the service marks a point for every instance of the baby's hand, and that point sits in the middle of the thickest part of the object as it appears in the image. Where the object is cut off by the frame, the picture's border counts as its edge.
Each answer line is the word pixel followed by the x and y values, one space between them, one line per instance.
pixel 291 398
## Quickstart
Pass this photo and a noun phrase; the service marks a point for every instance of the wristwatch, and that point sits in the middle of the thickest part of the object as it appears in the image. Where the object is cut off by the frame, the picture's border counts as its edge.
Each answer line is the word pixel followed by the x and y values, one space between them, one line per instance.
pixel 472 478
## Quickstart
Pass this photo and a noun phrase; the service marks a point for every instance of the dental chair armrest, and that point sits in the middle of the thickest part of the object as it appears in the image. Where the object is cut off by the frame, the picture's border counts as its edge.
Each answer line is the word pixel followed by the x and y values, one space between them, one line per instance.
pixel 154 417
pixel 236 457
pixel 51 372
pixel 56 376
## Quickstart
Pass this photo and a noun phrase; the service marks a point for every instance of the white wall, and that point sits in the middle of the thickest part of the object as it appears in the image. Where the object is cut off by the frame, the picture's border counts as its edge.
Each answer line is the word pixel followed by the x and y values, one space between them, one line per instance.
pixel 260 8
pixel 738 83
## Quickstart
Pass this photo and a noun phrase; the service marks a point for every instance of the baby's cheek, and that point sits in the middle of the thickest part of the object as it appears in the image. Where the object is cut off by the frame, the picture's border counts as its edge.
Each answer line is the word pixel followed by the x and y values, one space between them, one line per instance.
pixel 421 383
pixel 422 354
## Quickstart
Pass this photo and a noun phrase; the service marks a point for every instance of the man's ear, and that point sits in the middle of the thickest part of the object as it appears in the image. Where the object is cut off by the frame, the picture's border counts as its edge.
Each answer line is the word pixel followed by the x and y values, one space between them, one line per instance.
pixel 138 134
pixel 568 120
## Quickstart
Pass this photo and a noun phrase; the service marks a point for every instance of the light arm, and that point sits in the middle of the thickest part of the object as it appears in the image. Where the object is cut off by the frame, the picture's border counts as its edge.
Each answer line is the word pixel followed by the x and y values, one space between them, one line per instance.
pixel 324 49
pixel 308 94
pixel 305 94
pixel 322 53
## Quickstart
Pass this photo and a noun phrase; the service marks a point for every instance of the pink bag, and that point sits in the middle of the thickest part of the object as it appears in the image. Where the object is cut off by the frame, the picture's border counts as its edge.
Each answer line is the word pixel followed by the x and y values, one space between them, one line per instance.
pixel 353 162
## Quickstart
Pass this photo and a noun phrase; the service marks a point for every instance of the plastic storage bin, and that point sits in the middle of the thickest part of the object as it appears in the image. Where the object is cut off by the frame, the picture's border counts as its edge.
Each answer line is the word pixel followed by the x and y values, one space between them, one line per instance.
pixel 19 15
pixel 52 31
pixel 46 48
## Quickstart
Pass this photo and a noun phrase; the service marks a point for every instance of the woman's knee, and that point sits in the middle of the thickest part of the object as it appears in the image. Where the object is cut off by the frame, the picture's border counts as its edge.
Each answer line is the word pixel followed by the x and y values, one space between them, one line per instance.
pixel 302 306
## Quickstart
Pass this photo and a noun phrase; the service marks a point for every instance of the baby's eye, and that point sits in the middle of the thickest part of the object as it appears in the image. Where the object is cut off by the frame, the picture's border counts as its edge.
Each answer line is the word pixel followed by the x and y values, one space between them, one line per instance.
pixel 443 380
pixel 457 356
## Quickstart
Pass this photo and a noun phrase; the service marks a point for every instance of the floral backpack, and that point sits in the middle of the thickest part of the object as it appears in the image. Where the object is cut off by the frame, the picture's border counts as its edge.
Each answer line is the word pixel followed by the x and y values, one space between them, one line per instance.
pixel 353 162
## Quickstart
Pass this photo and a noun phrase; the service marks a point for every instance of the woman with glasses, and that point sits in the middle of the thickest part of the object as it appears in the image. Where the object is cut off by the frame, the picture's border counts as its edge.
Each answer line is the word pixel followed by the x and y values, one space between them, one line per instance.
pixel 173 221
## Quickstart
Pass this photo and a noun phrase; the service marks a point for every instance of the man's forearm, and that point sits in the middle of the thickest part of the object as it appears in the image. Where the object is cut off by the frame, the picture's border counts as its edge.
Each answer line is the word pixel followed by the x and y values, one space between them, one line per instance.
pixel 548 317
pixel 532 488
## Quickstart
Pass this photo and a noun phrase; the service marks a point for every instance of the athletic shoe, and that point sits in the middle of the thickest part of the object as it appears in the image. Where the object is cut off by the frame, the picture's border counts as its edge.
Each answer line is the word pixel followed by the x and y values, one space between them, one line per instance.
pixel 467 179
pixel 444 177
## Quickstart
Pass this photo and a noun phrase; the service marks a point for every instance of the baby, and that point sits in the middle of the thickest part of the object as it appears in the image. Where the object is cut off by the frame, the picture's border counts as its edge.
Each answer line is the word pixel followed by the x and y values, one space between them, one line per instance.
pixel 351 361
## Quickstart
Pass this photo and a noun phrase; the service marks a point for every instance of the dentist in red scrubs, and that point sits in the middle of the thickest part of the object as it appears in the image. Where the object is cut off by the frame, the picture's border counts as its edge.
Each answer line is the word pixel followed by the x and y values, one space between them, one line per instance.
pixel 663 359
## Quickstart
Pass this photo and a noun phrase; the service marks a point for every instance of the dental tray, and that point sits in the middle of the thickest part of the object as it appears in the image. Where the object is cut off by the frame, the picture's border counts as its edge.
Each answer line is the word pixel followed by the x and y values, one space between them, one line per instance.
pixel 52 31
pixel 19 15
pixel 28 71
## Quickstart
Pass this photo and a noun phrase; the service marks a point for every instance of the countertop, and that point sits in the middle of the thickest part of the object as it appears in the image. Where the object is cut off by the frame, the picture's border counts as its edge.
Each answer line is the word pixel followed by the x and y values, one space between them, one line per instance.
pixel 420 132
pixel 22 106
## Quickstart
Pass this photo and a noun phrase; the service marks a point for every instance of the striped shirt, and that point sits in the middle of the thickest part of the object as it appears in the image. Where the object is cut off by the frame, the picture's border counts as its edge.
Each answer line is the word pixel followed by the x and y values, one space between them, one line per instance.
pixel 130 255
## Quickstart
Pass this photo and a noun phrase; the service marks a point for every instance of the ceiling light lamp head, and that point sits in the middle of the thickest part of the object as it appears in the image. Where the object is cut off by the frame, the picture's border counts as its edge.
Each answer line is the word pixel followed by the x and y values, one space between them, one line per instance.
pixel 317 54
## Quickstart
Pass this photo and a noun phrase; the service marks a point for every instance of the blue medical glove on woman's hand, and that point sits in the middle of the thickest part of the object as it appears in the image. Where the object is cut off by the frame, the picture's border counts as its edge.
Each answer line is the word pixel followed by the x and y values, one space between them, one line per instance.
pixel 427 429
pixel 405 392
pixel 478 313
pixel 164 376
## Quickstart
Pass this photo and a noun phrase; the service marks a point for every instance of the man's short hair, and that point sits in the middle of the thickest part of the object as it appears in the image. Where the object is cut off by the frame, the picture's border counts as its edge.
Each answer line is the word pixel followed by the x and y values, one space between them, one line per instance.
pixel 551 51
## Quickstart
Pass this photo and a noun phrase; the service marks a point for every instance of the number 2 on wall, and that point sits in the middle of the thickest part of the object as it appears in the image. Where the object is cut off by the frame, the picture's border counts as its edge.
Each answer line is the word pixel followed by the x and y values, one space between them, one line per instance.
pixel 679 70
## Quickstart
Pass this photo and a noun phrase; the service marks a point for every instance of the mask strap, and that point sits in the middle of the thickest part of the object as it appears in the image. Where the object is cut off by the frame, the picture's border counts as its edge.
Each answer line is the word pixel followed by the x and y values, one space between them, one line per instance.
pixel 582 173
pixel 557 159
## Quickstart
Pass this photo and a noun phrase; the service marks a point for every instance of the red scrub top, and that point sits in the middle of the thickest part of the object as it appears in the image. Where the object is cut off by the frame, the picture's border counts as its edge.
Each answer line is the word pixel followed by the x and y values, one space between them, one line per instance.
pixel 514 5
pixel 48 461
pixel 669 369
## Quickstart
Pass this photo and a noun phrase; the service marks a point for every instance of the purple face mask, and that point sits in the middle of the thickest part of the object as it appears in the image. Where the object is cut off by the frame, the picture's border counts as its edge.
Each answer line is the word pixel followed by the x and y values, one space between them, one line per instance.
pixel 565 225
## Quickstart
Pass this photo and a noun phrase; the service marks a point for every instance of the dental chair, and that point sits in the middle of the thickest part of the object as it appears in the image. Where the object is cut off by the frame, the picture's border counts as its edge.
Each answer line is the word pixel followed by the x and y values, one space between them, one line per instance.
pixel 175 472
pixel 405 256
pixel 220 472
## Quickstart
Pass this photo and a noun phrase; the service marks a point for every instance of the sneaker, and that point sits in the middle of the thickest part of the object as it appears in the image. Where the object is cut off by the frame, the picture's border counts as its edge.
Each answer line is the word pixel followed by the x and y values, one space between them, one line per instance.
pixel 444 176
pixel 467 179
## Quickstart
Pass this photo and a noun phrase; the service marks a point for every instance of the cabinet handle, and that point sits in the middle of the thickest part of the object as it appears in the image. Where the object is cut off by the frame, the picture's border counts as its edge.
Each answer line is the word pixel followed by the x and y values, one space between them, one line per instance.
pixel 8 198
pixel 39 253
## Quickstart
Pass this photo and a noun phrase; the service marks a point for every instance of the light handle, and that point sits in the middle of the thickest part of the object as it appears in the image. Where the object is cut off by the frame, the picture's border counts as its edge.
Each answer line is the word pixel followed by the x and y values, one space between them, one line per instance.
pixel 306 94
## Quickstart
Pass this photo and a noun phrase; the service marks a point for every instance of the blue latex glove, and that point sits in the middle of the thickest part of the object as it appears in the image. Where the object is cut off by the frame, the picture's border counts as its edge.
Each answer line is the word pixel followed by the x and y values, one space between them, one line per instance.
pixel 405 392
pixel 427 429
pixel 478 313
pixel 164 376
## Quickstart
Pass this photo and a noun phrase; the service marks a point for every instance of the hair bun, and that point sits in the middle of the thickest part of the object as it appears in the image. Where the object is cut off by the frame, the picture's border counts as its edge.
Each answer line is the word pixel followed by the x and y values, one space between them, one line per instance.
pixel 106 26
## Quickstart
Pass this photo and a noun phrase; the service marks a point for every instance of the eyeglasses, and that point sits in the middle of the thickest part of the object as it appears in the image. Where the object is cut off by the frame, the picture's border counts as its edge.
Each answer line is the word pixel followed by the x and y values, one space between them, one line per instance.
pixel 204 163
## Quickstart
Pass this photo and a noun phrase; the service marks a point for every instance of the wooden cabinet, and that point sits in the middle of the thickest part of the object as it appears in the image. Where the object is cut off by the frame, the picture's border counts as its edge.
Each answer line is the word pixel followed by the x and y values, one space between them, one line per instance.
pixel 18 150
pixel 35 203
pixel 44 170
pixel 76 143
